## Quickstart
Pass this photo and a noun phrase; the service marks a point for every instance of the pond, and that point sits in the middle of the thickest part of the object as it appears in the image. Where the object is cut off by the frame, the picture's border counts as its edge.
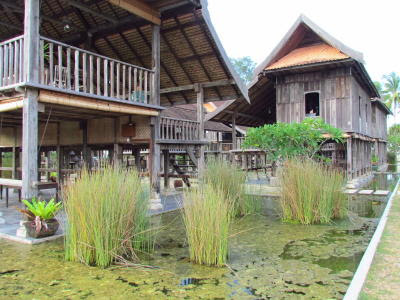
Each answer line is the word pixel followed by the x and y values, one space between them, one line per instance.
pixel 268 259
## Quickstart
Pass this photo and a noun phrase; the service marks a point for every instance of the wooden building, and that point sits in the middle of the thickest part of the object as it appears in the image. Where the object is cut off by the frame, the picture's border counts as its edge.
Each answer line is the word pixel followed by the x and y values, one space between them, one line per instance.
pixel 93 75
pixel 311 74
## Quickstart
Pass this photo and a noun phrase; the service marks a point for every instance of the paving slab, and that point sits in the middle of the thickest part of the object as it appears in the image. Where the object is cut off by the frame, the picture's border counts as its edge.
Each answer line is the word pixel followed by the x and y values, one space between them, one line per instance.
pixel 366 192
pixel 381 193
pixel 350 191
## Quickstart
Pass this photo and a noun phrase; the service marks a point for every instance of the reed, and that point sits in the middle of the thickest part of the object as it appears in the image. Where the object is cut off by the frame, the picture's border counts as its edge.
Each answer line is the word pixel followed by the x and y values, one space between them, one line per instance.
pixel 311 192
pixel 230 181
pixel 107 217
pixel 207 217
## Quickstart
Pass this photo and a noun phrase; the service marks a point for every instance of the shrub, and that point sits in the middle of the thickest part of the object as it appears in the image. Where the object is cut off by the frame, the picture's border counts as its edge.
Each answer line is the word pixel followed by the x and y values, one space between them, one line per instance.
pixel 391 158
pixel 311 192
pixel 207 216
pixel 108 218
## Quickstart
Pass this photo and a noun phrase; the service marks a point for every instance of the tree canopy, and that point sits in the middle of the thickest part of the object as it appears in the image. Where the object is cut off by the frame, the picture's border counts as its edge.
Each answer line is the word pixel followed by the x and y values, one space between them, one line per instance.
pixel 394 138
pixel 244 66
pixel 288 140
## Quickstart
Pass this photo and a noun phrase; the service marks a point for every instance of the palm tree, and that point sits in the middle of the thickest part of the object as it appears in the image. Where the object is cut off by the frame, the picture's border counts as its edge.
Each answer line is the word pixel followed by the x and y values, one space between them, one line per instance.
pixel 392 91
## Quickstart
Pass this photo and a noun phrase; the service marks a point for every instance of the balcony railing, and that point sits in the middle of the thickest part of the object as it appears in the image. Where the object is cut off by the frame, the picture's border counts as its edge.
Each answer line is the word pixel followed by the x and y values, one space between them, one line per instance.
pixel 67 68
pixel 11 62
pixel 179 130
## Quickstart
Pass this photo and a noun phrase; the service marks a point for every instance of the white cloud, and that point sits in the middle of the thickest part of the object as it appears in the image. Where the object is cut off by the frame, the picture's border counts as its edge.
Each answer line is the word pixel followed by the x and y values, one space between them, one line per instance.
pixel 254 27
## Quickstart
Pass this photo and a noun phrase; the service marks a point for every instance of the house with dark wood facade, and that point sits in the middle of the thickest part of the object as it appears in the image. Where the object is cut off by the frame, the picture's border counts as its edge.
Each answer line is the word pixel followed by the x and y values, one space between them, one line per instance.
pixel 85 76
pixel 311 74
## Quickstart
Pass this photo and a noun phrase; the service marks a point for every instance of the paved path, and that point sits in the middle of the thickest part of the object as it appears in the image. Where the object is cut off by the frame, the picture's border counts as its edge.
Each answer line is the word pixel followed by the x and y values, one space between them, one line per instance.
pixel 383 281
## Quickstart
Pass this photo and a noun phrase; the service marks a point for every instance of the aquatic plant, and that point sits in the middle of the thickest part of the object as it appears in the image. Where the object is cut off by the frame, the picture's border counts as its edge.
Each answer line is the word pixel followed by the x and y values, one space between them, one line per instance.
pixel 41 208
pixel 230 181
pixel 207 217
pixel 311 192
pixel 108 218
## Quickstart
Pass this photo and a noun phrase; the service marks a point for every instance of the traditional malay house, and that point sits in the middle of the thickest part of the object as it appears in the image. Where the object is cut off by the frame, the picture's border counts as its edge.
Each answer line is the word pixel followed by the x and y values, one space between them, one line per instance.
pixel 94 75
pixel 311 74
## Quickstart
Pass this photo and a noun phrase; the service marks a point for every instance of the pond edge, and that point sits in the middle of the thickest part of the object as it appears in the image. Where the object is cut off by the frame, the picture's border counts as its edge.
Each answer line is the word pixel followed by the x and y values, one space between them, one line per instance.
pixel 361 273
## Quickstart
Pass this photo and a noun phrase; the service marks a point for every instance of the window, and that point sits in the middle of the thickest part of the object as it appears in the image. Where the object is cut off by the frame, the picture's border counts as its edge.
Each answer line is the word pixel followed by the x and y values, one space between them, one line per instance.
pixel 312 104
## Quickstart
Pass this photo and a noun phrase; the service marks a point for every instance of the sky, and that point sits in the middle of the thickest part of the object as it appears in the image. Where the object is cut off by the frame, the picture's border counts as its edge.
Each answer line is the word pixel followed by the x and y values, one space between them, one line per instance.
pixel 254 27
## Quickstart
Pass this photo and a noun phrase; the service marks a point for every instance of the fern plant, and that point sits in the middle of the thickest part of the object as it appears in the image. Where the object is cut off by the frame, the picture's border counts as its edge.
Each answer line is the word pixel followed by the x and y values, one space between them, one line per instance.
pixel 42 209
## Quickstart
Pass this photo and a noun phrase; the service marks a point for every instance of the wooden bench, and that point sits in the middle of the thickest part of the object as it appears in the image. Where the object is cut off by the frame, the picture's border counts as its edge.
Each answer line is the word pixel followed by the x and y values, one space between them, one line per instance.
pixel 17 184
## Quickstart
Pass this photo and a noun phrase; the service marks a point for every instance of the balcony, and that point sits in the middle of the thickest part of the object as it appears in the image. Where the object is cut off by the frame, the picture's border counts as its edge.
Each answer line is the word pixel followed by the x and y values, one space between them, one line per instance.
pixel 173 131
pixel 68 69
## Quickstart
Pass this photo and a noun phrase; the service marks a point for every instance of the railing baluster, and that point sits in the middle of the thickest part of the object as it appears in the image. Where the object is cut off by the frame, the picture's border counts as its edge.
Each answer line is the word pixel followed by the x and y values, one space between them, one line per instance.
pixel 140 85
pixel 6 65
pixel 1 65
pixel 11 63
pixel 41 61
pixel 129 83
pixel 69 83
pixel 91 84
pixel 98 90
pixel 84 71
pixel 106 78
pixel 51 63
pixel 135 87
pixel 145 87
pixel 117 85
pixel 76 70
pixel 21 59
pixel 123 81
pixel 112 78
pixel 16 62
pixel 60 67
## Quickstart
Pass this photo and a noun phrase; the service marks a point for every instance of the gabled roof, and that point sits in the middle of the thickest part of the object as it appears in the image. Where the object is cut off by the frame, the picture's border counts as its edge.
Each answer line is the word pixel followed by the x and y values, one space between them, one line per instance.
pixel 302 29
pixel 316 53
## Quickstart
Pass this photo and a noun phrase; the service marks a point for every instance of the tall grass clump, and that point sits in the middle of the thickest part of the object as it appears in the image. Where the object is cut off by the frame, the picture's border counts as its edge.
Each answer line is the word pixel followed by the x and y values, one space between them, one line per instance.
pixel 107 217
pixel 207 217
pixel 230 181
pixel 311 192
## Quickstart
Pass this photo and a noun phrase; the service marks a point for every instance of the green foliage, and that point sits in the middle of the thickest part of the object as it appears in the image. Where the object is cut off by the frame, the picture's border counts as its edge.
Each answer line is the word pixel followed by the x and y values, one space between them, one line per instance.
pixel 284 140
pixel 107 217
pixel 374 159
pixel 394 138
pixel 207 217
pixel 230 181
pixel 391 158
pixel 244 66
pixel 42 209
pixel 391 91
pixel 311 192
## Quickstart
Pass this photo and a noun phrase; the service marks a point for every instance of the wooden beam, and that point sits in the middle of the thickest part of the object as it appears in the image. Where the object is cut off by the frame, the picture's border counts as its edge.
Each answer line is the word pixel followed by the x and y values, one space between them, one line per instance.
pixel 234 140
pixel 92 11
pixel 139 8
pixel 200 118
pixel 209 84
pixel 90 103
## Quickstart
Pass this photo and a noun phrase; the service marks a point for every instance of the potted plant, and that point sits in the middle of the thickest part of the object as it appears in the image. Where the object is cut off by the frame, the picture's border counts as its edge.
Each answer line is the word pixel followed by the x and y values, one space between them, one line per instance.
pixel 41 217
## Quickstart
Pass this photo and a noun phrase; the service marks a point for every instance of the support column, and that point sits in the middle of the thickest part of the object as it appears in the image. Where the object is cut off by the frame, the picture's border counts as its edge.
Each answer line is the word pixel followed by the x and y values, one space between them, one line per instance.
pixel 166 168
pixel 137 159
pixel 234 139
pixel 349 155
pixel 15 156
pixel 117 149
pixel 200 118
pixel 155 152
pixel 85 149
pixel 30 107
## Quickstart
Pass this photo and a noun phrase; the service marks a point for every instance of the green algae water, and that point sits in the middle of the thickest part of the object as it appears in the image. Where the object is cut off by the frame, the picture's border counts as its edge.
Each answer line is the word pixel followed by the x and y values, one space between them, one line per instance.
pixel 267 260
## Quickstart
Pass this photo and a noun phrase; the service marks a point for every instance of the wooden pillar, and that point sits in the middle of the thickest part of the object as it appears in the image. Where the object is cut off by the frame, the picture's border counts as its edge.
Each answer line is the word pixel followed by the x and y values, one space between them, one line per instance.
pixel 155 152
pixel 85 150
pixel 166 168
pixel 200 118
pixel 30 107
pixel 15 155
pixel 117 148
pixel 234 139
pixel 60 157
pixel 349 156
pixel 136 152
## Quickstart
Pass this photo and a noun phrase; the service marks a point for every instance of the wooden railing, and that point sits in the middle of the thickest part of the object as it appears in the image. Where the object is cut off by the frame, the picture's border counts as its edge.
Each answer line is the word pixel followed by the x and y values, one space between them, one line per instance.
pixel 73 69
pixel 11 62
pixel 179 130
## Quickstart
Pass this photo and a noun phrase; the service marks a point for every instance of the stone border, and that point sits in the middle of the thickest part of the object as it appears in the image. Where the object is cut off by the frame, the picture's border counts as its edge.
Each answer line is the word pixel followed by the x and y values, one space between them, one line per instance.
pixel 360 276
pixel 30 241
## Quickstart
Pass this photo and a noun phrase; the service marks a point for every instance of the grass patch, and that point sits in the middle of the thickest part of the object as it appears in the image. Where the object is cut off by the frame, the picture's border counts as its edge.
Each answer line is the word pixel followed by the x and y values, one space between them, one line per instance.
pixel 311 192
pixel 108 218
pixel 207 217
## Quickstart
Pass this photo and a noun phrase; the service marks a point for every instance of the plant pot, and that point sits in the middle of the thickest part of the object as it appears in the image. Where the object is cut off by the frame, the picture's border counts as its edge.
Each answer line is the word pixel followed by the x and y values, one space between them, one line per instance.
pixel 49 228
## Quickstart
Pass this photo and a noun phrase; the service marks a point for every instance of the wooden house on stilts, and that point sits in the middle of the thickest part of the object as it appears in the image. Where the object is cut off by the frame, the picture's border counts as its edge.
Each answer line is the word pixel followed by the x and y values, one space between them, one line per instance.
pixel 79 77
pixel 311 74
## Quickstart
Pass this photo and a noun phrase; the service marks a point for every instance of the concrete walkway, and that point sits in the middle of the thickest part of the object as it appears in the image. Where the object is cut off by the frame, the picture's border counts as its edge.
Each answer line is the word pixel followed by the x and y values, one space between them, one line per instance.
pixel 10 217
pixel 383 280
